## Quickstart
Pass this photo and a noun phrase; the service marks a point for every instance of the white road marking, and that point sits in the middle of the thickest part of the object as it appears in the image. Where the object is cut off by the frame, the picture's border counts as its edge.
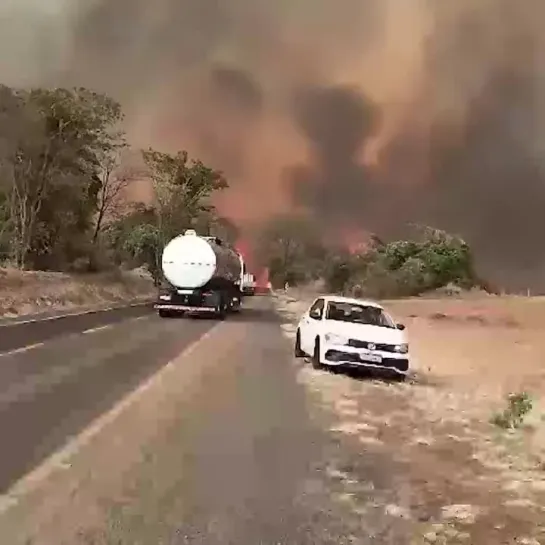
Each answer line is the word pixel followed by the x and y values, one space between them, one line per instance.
pixel 84 332
pixel 21 349
pixel 71 314
pixel 99 328
pixel 51 376
pixel 59 460
pixel 109 326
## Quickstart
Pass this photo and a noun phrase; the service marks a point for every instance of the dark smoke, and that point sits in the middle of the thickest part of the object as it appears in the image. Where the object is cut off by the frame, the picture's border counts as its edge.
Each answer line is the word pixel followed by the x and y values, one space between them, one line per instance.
pixel 491 184
pixel 337 121
pixel 488 181
pixel 132 46
pixel 234 104
pixel 479 156
pixel 236 91
pixel 453 92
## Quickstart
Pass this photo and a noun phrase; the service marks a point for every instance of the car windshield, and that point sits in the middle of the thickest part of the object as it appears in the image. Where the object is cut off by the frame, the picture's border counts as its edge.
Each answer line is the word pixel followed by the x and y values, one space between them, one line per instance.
pixel 358 314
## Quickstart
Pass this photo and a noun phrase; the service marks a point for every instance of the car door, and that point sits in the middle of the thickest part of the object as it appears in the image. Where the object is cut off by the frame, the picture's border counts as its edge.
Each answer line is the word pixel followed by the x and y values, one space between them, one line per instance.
pixel 311 324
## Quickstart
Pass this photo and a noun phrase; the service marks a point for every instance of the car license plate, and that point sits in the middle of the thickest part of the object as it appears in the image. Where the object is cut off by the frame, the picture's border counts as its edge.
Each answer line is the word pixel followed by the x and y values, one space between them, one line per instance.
pixel 371 358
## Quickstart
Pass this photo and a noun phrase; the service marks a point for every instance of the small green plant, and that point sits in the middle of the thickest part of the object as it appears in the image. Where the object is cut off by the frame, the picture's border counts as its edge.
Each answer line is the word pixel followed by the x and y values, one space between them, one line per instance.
pixel 512 417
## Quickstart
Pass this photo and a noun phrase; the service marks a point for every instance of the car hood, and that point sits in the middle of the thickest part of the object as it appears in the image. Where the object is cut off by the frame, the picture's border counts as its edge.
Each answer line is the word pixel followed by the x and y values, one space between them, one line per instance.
pixel 364 332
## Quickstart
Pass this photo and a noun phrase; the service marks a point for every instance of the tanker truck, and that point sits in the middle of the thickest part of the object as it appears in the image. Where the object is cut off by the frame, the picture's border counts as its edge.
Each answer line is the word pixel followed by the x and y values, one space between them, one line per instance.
pixel 201 275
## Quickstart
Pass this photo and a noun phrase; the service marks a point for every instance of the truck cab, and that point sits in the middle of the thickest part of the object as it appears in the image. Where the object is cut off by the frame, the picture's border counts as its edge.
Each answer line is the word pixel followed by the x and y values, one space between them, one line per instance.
pixel 248 284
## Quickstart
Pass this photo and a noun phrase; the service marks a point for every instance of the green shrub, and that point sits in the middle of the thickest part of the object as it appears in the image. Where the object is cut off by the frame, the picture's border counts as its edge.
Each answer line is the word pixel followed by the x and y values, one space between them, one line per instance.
pixel 518 406
pixel 144 244
pixel 405 267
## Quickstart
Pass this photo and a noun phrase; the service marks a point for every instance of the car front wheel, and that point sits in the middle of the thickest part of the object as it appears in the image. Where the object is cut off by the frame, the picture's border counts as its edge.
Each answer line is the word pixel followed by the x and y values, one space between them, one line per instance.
pixel 316 363
pixel 298 352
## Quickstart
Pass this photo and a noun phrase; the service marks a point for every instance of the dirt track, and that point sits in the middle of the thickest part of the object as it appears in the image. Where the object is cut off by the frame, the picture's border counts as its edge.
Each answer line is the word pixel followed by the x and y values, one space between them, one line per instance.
pixel 466 480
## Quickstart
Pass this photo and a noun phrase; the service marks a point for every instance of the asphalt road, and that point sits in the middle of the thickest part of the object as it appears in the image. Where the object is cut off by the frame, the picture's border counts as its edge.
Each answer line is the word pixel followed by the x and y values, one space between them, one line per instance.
pixel 232 453
pixel 56 376
pixel 17 333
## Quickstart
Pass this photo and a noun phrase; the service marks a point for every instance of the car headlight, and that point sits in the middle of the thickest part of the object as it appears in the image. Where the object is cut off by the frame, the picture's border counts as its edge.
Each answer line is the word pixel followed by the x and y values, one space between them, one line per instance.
pixel 401 348
pixel 165 297
pixel 332 338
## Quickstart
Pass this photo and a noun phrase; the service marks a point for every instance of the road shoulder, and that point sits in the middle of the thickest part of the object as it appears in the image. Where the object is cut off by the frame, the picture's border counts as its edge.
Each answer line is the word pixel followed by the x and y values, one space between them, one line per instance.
pixel 463 480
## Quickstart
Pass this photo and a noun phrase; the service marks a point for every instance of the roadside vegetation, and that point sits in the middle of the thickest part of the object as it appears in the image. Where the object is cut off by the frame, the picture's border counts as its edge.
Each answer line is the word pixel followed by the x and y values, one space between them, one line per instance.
pixel 519 405
pixel 65 176
pixel 433 259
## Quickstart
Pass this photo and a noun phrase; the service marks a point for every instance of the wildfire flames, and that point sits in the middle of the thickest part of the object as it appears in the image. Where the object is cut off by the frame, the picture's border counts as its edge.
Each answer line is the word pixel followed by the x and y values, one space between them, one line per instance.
pixel 355 241
pixel 244 248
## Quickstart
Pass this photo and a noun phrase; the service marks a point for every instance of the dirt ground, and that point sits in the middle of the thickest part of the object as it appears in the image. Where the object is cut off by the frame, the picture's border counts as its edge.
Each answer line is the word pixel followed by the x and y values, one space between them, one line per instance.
pixel 28 292
pixel 465 479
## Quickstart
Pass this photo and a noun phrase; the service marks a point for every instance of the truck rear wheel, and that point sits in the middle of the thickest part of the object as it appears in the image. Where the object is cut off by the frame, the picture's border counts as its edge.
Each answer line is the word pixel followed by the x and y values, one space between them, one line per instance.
pixel 234 304
pixel 221 311
pixel 165 313
pixel 219 307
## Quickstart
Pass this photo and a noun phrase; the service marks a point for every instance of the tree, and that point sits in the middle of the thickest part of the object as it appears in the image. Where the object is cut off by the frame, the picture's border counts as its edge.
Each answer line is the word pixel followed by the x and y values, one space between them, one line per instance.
pixel 406 267
pixel 340 269
pixel 447 258
pixel 183 190
pixel 112 182
pixel 51 169
pixel 62 182
pixel 22 137
pixel 143 243
pixel 291 249
pixel 212 224
pixel 95 146
pixel 117 232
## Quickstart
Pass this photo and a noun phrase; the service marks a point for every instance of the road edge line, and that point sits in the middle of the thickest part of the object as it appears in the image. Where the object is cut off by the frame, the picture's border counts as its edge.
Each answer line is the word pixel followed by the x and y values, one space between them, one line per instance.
pixel 73 314
pixel 39 344
pixel 57 461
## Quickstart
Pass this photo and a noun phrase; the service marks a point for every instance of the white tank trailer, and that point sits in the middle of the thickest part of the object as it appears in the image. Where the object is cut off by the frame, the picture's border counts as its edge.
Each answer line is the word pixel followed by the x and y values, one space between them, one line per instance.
pixel 202 275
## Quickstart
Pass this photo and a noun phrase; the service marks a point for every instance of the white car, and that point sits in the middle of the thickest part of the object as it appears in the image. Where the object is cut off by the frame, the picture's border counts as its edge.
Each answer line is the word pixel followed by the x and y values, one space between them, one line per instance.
pixel 340 331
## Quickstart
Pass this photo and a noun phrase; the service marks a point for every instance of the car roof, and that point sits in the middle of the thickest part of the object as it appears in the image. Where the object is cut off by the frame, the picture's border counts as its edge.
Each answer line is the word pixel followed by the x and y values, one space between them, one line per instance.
pixel 350 301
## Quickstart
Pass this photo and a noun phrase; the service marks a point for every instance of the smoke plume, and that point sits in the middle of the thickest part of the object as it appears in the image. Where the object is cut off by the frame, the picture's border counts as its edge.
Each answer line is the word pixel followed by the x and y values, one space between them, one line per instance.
pixel 369 114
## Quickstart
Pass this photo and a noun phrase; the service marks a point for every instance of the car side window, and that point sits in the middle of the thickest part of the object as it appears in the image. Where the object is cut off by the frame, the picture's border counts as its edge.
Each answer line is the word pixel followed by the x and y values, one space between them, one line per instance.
pixel 317 309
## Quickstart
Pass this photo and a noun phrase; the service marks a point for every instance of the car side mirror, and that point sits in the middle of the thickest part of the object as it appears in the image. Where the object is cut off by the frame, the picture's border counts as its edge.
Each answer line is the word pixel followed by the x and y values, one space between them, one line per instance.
pixel 315 314
pixel 401 327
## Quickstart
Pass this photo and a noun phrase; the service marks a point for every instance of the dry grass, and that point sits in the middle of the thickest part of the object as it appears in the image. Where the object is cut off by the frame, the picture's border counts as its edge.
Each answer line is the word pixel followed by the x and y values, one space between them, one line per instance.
pixel 469 481
pixel 495 345
pixel 27 292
